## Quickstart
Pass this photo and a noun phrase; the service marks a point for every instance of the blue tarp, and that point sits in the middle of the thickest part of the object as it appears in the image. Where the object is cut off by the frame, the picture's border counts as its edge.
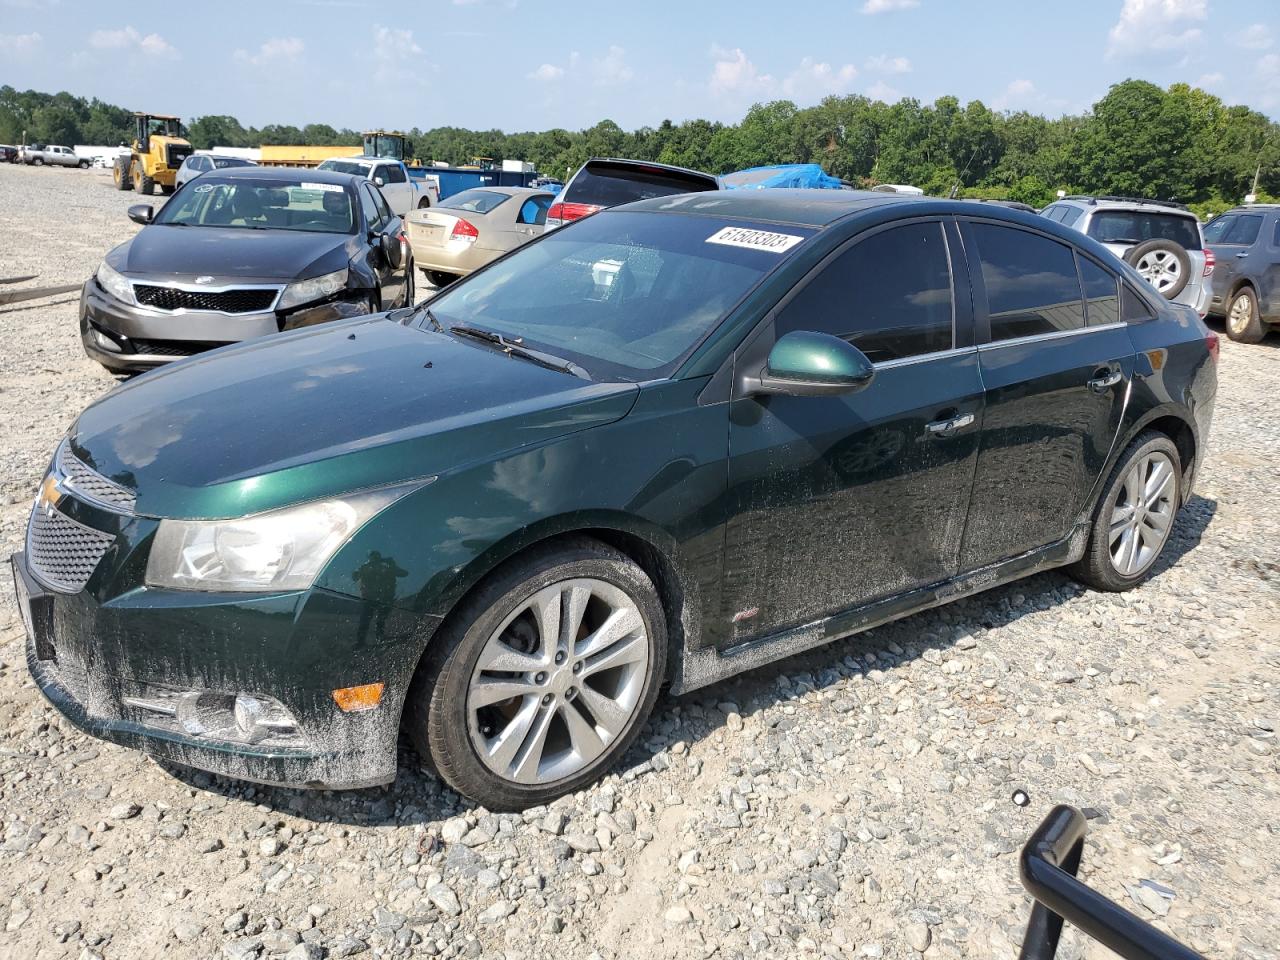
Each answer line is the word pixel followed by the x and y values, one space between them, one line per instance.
pixel 781 175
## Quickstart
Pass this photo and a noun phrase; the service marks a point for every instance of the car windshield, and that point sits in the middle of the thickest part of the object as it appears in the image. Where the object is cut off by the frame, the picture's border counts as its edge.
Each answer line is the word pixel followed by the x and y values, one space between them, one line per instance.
pixel 609 185
pixel 1138 226
pixel 474 201
pixel 626 295
pixel 212 201
pixel 346 166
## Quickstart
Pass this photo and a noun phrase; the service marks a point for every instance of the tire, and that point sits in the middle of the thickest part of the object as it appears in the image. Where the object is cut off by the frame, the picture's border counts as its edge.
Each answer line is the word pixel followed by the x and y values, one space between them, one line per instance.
pixel 120 174
pixel 1164 264
pixel 409 291
pixel 1243 322
pixel 167 190
pixel 424 203
pixel 1133 478
pixel 444 727
pixel 142 183
pixel 38 161
pixel 83 164
pixel 440 279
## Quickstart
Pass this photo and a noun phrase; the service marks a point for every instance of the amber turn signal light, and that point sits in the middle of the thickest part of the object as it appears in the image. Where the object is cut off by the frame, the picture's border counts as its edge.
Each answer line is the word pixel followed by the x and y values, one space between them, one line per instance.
pixel 354 699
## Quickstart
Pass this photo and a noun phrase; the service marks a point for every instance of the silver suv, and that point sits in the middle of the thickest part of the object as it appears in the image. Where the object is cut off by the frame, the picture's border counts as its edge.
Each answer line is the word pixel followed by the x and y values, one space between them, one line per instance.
pixel 1161 240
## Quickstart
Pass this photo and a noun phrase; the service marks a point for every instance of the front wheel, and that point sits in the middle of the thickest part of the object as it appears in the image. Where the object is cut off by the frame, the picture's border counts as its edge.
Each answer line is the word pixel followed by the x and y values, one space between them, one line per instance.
pixel 1135 515
pixel 1244 322
pixel 545 676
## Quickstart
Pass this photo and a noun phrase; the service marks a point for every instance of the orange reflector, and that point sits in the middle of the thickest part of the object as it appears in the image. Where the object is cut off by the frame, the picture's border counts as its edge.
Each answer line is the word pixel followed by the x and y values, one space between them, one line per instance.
pixel 354 699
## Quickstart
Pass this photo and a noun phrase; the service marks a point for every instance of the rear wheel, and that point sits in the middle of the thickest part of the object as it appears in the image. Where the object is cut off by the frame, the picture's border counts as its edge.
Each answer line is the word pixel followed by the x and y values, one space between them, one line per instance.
pixel 1244 322
pixel 120 174
pixel 38 161
pixel 424 203
pixel 167 190
pixel 83 164
pixel 546 676
pixel 440 279
pixel 1135 515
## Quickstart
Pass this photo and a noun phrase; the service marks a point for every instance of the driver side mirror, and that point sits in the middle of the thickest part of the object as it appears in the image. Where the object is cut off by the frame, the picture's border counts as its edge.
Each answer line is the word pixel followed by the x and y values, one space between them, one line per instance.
pixel 805 363
pixel 379 181
pixel 141 213
pixel 390 247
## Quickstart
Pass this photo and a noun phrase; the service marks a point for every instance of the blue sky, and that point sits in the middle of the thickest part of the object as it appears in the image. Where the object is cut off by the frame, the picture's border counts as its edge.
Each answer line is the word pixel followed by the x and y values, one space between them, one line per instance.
pixel 534 64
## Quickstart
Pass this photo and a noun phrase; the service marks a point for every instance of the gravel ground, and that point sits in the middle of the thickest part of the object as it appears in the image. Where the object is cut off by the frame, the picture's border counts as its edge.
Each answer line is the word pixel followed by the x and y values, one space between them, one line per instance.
pixel 852 802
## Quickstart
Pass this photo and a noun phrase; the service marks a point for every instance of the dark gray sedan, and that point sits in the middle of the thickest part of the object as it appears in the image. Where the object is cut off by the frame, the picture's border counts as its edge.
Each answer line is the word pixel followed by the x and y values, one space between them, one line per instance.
pixel 241 253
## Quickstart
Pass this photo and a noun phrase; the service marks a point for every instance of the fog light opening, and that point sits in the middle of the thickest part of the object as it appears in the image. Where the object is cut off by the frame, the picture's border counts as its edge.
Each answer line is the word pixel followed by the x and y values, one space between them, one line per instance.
pixel 367 696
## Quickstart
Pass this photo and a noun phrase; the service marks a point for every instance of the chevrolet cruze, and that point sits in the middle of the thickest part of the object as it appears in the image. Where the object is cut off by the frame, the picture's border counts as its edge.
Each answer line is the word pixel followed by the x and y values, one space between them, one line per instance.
pixel 665 444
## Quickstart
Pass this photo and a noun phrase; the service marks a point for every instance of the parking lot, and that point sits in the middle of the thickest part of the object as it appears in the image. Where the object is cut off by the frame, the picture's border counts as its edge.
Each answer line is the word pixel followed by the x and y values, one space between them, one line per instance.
pixel 851 802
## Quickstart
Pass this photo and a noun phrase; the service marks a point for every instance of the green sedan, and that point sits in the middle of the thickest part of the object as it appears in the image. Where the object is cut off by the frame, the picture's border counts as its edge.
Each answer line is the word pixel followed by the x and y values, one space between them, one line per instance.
pixel 670 442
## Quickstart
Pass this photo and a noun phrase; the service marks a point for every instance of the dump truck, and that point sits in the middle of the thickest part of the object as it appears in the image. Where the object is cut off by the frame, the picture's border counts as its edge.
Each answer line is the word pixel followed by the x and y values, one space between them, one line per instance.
pixel 155 155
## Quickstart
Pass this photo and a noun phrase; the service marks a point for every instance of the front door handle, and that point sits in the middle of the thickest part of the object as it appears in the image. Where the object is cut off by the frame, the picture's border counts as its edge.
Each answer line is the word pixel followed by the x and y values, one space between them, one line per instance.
pixel 950 425
pixel 1106 382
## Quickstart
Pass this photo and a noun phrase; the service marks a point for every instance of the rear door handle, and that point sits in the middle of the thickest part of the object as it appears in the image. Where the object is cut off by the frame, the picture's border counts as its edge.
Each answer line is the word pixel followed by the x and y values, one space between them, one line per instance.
pixel 1105 382
pixel 950 425
pixel 1241 256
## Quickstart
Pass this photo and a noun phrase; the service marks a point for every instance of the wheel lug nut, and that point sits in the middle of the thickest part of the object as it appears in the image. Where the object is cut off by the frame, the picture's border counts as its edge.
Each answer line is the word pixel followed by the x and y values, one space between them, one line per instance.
pixel 560 658
pixel 540 678
pixel 571 693
pixel 577 667
pixel 546 701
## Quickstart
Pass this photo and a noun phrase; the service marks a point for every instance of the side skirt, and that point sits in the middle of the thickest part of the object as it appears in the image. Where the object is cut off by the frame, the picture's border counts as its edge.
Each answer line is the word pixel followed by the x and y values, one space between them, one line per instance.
pixel 698 668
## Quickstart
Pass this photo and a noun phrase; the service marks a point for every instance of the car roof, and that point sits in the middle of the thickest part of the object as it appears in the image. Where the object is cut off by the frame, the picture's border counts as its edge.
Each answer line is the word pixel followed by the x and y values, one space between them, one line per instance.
pixel 1250 207
pixel 1128 203
pixel 801 207
pixel 652 165
pixel 508 191
pixel 289 173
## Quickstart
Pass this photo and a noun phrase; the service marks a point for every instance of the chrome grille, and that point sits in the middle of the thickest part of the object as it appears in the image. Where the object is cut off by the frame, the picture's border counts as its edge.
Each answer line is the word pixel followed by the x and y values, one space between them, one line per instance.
pixel 63 553
pixel 89 484
pixel 242 300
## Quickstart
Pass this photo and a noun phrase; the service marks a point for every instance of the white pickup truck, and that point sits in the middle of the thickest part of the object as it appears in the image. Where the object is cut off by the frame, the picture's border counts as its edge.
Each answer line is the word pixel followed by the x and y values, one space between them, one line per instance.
pixel 403 192
pixel 53 155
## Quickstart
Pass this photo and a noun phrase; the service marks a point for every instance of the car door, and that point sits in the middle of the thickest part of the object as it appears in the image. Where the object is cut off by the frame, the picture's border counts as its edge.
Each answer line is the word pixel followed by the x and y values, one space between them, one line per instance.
pixel 1233 239
pixel 395 187
pixel 531 219
pixel 380 221
pixel 1056 382
pixel 841 500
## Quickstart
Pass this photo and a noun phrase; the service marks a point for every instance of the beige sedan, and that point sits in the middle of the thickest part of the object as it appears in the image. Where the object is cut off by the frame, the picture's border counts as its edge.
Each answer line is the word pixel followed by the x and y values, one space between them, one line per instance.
pixel 472 228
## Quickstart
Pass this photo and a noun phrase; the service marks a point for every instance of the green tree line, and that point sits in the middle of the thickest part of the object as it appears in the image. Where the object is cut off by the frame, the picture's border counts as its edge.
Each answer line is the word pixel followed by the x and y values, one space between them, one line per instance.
pixel 1182 143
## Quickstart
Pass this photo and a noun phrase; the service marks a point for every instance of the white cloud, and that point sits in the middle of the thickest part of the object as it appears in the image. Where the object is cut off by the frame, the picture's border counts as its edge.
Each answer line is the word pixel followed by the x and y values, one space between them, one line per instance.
pixel 20 45
pixel 884 6
pixel 1208 80
pixel 1268 71
pixel 882 91
pixel 813 81
pixel 735 75
pixel 611 69
pixel 152 44
pixel 1147 26
pixel 1256 36
pixel 394 52
pixel 887 64
pixel 547 72
pixel 276 51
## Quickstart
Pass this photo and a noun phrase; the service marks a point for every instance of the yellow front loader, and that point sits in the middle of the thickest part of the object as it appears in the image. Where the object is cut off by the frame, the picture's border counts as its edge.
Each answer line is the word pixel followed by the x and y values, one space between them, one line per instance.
pixel 155 155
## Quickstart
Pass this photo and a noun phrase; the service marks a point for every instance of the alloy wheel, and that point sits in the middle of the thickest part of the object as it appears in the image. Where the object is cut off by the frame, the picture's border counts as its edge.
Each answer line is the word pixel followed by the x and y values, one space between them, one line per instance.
pixel 1160 268
pixel 1142 515
pixel 1241 312
pixel 558 682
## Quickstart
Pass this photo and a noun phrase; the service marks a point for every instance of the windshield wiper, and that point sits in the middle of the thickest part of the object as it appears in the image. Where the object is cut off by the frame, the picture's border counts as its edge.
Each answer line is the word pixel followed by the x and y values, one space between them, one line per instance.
pixel 516 348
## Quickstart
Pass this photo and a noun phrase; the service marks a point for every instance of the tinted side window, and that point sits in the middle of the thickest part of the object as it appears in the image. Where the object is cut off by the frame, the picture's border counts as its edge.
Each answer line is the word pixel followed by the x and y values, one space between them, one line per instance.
pixel 1217 229
pixel 1052 213
pixel 608 185
pixel 1275 237
pixel 1136 226
pixel 1132 307
pixel 368 208
pixel 1070 216
pixel 1101 293
pixel 384 211
pixel 395 173
pixel 1031 281
pixel 1245 230
pixel 889 295
pixel 534 211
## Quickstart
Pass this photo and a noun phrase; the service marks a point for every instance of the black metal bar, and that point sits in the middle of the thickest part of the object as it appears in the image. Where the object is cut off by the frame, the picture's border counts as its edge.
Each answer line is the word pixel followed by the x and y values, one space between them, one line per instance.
pixel 1048 865
pixel 4 280
pixel 35 293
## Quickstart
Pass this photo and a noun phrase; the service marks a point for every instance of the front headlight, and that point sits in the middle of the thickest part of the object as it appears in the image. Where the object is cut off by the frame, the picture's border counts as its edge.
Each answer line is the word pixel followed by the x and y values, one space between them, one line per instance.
pixel 269 552
pixel 317 288
pixel 115 284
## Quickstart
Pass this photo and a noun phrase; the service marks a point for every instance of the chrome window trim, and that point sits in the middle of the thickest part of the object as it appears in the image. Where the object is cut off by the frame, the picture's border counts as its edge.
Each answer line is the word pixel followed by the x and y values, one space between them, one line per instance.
pixel 923 358
pixel 1056 335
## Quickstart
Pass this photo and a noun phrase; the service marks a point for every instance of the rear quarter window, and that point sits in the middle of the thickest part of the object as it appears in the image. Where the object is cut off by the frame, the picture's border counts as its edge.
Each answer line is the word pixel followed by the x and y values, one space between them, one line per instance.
pixel 607 185
pixel 1132 227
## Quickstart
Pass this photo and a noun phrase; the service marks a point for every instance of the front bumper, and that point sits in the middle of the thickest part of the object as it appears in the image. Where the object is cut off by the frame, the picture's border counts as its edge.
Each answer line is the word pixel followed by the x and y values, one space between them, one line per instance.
pixel 95 662
pixel 127 339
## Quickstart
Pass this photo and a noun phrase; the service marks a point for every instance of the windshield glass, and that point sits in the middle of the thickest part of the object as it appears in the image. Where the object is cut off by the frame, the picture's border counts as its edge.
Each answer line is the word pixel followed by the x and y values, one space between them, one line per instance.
pixel 1136 226
pixel 626 295
pixel 346 166
pixel 474 201
pixel 212 201
pixel 221 163
pixel 609 185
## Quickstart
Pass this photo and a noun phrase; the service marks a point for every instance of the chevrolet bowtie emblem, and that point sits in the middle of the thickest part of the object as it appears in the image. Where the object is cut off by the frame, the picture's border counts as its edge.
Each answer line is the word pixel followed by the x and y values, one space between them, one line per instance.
pixel 50 495
pixel 204 279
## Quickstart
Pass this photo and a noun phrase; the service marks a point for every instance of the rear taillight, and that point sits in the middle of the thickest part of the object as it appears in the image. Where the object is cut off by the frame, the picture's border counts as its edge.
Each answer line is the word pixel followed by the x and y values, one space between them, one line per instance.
pixel 1211 341
pixel 1210 261
pixel 462 230
pixel 562 213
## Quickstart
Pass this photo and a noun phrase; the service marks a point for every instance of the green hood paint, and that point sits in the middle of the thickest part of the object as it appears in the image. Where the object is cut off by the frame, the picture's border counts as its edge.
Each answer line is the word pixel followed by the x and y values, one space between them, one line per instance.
pixel 337 408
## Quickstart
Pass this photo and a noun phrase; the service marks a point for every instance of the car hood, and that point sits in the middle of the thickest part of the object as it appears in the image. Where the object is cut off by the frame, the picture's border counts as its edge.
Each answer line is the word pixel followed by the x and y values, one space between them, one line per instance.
pixel 324 411
pixel 231 253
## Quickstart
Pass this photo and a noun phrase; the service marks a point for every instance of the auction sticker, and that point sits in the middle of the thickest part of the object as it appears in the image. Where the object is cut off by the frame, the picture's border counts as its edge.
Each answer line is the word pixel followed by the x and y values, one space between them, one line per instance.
pixel 326 187
pixel 755 239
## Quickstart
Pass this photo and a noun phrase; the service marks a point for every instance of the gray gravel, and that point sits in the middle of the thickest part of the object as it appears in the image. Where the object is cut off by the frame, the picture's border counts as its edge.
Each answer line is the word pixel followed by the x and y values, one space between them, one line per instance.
pixel 852 802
